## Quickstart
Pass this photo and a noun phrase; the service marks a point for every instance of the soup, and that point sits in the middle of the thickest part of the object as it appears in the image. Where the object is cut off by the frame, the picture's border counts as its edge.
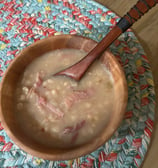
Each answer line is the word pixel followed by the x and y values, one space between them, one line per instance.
pixel 58 111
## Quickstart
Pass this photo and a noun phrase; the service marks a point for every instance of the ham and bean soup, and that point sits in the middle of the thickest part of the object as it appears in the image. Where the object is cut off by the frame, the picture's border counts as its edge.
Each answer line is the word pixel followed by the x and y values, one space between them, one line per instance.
pixel 58 111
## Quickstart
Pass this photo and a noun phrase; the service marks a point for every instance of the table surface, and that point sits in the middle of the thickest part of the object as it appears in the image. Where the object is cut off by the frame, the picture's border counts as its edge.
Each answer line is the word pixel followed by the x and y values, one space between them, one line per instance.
pixel 146 30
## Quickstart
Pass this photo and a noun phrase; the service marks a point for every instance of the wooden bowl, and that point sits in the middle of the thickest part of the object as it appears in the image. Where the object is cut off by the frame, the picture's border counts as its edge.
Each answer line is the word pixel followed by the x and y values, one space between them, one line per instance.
pixel 17 67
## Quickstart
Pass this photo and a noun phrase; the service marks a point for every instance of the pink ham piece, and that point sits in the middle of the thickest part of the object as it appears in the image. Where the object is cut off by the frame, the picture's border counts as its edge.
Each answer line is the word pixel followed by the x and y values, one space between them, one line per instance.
pixel 31 90
pixel 39 81
pixel 42 101
pixel 77 96
pixel 50 107
pixel 68 130
pixel 35 86
pixel 80 125
pixel 74 137
pixel 74 130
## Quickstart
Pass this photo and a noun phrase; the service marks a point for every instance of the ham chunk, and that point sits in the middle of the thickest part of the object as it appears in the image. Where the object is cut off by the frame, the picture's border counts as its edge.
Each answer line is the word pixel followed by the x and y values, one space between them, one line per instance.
pixel 74 130
pixel 68 130
pixel 74 137
pixel 80 125
pixel 36 85
pixel 77 96
pixel 41 100
pixel 49 107
pixel 38 81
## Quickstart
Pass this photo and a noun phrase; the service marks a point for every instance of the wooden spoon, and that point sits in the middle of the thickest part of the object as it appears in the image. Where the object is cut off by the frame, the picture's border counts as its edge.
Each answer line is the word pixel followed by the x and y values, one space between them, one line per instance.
pixel 77 70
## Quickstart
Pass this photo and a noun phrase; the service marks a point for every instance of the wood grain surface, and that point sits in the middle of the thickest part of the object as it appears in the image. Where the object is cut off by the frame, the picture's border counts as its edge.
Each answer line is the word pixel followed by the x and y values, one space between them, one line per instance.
pixel 146 29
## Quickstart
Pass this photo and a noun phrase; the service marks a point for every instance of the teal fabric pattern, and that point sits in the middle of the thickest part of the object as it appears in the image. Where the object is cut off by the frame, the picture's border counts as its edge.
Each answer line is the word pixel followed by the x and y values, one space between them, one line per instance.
pixel 23 22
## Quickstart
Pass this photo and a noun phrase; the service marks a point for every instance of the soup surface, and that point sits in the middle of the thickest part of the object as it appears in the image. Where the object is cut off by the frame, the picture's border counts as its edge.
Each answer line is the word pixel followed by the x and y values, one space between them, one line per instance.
pixel 58 111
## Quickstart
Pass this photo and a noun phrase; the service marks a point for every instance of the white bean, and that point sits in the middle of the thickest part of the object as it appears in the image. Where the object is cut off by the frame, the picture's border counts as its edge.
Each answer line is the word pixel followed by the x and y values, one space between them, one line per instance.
pixel 49 81
pixel 65 83
pixel 25 90
pixel 89 73
pixel 55 129
pixel 74 84
pixel 51 119
pixel 54 92
pixel 45 83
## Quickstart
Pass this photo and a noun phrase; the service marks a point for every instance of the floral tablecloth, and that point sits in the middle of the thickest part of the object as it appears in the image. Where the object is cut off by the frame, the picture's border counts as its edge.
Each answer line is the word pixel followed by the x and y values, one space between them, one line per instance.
pixel 23 22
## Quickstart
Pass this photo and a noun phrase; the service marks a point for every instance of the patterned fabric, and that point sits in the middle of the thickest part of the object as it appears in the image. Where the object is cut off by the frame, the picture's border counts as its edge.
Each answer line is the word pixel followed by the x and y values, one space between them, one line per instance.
pixel 23 22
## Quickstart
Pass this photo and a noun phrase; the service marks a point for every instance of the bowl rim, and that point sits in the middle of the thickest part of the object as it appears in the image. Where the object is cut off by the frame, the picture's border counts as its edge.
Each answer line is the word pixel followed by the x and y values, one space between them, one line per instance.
pixel 83 150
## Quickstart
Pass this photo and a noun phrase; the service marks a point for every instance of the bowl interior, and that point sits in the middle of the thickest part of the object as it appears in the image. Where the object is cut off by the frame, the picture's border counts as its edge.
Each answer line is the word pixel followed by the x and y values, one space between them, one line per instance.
pixel 16 69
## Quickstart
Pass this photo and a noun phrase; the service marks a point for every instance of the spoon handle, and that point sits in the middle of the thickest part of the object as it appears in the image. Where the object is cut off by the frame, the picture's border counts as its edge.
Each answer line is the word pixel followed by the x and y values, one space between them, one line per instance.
pixel 77 70
pixel 135 13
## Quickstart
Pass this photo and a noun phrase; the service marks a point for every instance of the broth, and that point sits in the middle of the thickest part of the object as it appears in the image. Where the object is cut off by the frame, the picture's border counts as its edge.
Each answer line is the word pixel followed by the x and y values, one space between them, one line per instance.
pixel 58 111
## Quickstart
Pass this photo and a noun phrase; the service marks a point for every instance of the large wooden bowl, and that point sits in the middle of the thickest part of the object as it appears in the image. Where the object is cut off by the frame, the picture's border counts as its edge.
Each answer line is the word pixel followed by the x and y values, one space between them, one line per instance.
pixel 17 67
